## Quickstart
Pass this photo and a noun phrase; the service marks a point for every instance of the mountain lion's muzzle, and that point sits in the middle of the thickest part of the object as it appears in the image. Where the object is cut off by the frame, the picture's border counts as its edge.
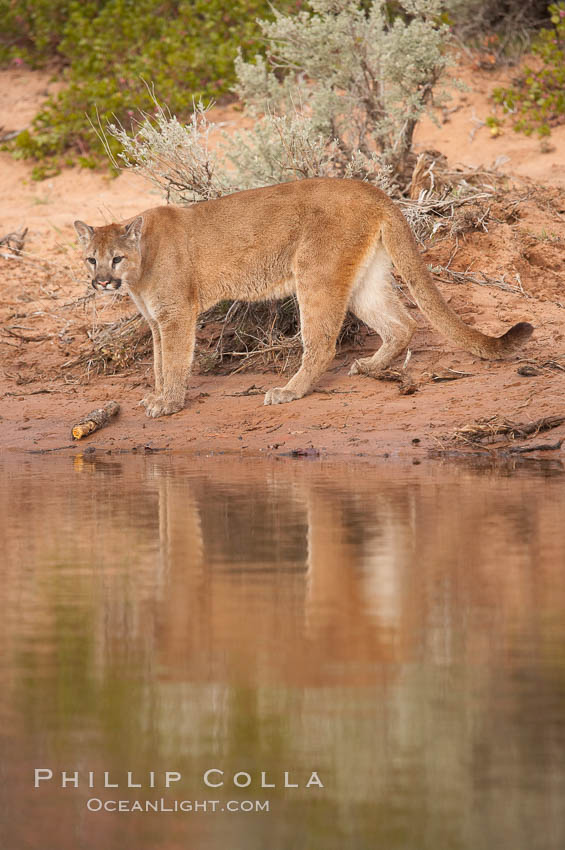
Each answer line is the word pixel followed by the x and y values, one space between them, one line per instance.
pixel 109 285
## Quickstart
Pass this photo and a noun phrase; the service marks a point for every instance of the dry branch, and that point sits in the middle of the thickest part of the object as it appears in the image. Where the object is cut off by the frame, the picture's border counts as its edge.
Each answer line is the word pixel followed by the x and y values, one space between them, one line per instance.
pixel 537 447
pixel 406 385
pixel 114 346
pixel 95 420
pixel 495 427
pixel 14 241
pixel 466 277
pixel 24 338
pixel 450 375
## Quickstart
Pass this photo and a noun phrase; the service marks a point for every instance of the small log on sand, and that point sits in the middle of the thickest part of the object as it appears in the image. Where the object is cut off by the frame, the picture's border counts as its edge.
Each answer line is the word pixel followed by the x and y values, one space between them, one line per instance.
pixel 95 420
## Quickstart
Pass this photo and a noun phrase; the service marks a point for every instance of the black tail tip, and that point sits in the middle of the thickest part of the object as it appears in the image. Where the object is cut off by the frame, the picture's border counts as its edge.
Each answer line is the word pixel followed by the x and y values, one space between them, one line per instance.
pixel 517 335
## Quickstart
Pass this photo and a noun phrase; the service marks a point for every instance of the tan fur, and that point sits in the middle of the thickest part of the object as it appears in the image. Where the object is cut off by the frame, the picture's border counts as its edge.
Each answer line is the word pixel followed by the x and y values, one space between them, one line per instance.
pixel 328 241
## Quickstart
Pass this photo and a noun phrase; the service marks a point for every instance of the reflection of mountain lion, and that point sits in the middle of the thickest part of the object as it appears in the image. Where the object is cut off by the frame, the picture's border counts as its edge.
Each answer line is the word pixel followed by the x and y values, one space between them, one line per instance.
pixel 328 241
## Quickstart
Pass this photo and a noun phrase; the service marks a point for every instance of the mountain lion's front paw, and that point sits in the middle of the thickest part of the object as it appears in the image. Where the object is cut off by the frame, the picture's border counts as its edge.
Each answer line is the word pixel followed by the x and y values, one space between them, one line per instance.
pixel 278 395
pixel 159 407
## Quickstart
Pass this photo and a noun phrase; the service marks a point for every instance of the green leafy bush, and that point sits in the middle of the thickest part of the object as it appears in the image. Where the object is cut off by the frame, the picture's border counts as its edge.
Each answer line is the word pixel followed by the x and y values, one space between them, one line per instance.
pixel 106 48
pixel 32 31
pixel 537 100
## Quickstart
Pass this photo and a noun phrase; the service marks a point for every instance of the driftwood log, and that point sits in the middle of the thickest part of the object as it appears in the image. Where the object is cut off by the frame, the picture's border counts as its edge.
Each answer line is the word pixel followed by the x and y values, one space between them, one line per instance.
pixel 95 420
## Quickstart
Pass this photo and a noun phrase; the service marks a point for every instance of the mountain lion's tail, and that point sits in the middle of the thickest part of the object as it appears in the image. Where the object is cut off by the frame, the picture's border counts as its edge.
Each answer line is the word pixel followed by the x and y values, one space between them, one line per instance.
pixel 399 243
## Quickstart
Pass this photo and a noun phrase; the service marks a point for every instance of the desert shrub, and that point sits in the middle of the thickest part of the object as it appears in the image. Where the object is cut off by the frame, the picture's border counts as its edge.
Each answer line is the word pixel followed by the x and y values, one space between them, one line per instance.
pixel 338 92
pixel 536 101
pixel 359 76
pixel 106 48
pixel 174 156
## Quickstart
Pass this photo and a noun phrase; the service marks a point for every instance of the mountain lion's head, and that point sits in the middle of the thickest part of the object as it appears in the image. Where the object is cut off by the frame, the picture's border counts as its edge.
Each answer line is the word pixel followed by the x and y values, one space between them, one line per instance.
pixel 111 253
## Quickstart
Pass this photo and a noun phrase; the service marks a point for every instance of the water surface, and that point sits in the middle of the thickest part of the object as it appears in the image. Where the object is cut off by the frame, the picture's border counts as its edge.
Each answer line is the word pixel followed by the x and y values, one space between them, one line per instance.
pixel 398 631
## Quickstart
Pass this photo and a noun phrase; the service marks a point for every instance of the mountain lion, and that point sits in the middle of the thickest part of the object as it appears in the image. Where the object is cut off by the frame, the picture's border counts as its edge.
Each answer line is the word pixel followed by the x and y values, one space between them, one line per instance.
pixel 329 241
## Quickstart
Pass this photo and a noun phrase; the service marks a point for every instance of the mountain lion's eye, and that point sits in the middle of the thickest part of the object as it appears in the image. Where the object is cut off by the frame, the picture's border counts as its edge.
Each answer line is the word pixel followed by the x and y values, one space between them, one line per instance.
pixel 91 260
pixel 117 260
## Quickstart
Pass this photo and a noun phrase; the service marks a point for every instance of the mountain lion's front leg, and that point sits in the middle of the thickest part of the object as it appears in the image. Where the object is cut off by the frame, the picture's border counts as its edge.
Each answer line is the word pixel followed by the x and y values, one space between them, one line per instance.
pixel 151 397
pixel 156 337
pixel 176 331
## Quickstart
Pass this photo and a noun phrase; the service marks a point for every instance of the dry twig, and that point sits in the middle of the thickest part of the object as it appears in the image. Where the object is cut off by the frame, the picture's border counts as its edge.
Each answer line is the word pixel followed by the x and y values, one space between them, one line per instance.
pixel 492 429
pixel 14 241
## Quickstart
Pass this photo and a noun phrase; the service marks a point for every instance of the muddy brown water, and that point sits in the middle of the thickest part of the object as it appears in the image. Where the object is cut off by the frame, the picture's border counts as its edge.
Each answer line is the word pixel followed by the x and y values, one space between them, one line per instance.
pixel 393 633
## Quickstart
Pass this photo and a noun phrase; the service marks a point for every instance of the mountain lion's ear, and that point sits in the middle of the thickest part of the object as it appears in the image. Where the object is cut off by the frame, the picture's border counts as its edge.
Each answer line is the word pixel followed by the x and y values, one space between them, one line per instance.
pixel 133 229
pixel 84 231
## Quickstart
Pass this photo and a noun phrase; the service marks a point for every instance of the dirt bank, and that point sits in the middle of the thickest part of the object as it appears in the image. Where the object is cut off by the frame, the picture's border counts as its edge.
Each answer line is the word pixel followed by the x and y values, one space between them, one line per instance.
pixel 519 247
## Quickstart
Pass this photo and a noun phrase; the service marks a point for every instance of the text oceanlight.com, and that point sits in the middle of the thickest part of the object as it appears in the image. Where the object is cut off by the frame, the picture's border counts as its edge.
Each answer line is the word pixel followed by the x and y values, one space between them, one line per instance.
pixel 94 804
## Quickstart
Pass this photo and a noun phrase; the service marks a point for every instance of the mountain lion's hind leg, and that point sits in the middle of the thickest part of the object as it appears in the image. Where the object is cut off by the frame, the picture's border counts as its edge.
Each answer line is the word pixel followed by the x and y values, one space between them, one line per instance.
pixel 321 317
pixel 375 303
